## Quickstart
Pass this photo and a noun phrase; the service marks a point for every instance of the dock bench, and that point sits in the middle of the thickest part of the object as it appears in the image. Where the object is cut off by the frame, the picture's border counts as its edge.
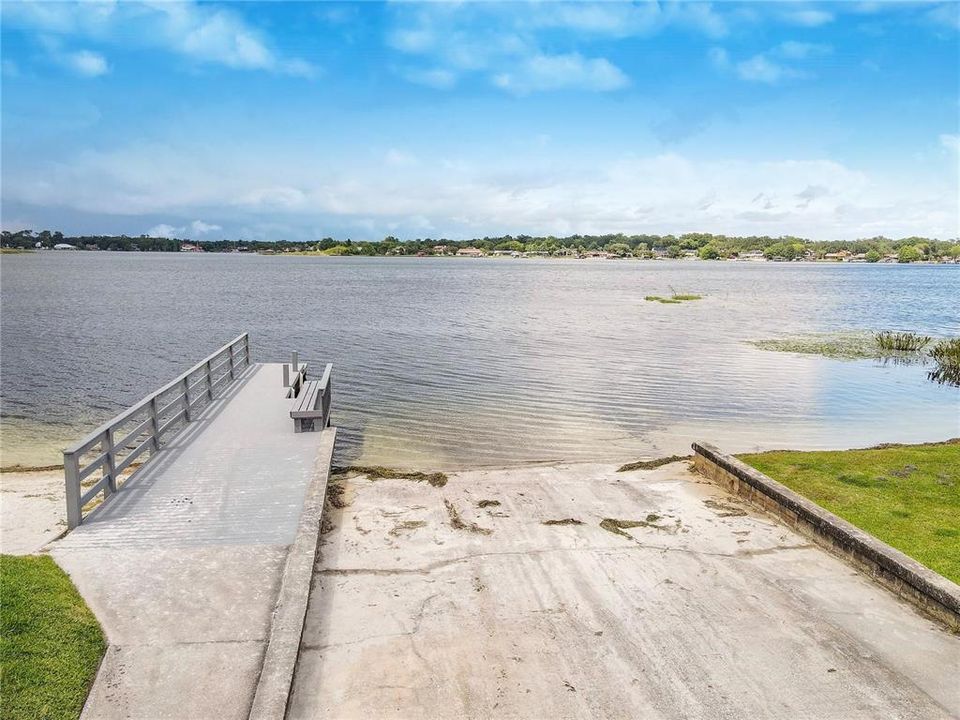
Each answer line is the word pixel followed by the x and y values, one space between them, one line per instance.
pixel 312 404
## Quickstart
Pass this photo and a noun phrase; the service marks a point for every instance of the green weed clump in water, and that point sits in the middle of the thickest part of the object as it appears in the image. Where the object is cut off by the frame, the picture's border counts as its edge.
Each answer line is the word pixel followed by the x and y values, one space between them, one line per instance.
pixel 686 297
pixel 901 341
pixel 50 642
pixel 850 346
pixel 377 472
pixel 946 354
pixel 565 521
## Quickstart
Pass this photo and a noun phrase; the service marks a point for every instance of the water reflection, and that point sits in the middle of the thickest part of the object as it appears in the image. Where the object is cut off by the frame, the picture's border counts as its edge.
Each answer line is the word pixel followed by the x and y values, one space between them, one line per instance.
pixel 445 362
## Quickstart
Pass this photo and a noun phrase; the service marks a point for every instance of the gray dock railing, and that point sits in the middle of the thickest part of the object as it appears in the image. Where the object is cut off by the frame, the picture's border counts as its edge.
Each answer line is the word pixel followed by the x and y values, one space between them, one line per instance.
pixel 145 426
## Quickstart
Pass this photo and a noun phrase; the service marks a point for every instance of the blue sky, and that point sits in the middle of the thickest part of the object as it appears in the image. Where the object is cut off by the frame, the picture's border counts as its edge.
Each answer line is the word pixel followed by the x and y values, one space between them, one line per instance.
pixel 301 120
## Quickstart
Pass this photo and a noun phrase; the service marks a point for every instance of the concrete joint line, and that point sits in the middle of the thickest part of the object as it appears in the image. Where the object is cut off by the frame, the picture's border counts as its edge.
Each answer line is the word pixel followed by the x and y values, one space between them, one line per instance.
pixel 928 591
pixel 286 625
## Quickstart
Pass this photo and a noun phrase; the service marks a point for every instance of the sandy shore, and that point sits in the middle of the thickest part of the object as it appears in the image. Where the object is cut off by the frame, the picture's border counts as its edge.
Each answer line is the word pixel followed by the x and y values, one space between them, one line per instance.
pixel 32 510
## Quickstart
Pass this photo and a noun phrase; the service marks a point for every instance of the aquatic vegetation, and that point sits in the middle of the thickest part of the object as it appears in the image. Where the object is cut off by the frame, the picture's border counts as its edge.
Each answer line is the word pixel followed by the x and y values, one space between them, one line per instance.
pixel 840 346
pixel 488 503
pixel 886 346
pixel 651 464
pixel 901 341
pixel 565 521
pixel 458 523
pixel 377 472
pixel 617 527
pixel 674 299
pixel 407 526
pixel 946 355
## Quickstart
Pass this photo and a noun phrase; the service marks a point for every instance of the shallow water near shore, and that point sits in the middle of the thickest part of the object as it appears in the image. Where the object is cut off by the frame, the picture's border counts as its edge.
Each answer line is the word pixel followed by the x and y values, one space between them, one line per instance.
pixel 448 363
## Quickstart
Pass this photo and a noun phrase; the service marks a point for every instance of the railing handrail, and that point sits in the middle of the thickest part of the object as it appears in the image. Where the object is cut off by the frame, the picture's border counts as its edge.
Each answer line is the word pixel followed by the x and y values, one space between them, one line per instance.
pixel 94 437
pixel 111 460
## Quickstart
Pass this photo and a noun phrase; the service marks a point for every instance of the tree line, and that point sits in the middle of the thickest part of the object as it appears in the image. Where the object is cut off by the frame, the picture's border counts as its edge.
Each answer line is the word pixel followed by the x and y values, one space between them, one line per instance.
pixel 706 246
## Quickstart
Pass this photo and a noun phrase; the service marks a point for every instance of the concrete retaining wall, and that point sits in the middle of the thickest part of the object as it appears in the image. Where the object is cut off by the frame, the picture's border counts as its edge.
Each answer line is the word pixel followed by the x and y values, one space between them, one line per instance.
pixel 912 581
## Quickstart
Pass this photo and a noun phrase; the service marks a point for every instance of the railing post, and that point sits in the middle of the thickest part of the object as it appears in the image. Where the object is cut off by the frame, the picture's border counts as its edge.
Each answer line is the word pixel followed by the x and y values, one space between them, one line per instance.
pixel 71 472
pixel 230 350
pixel 294 363
pixel 286 376
pixel 209 382
pixel 246 345
pixel 186 398
pixel 155 419
pixel 110 464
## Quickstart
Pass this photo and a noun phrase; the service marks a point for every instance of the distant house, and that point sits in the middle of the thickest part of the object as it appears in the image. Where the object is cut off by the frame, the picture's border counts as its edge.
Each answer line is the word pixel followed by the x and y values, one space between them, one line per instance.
pixel 470 252
pixel 440 249
pixel 64 246
pixel 752 255
pixel 189 247
pixel 841 256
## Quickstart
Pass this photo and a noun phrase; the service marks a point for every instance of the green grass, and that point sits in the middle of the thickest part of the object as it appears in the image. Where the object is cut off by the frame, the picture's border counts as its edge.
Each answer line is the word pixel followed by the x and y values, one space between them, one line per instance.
pixel 50 642
pixel 908 496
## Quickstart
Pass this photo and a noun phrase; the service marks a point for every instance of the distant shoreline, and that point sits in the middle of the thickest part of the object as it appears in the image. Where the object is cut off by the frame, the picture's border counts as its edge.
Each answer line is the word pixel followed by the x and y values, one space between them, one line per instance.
pixel 491 256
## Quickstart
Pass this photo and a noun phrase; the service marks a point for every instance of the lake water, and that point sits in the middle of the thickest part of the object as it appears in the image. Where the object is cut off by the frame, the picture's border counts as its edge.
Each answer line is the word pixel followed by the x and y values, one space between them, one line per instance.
pixel 444 362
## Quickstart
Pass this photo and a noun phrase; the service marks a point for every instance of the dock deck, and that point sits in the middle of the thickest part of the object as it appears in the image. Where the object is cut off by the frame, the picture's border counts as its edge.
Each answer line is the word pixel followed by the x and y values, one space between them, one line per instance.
pixel 182 566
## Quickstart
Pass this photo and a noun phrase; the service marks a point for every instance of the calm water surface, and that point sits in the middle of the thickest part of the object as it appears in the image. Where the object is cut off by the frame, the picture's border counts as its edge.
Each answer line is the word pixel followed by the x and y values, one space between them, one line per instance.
pixel 458 362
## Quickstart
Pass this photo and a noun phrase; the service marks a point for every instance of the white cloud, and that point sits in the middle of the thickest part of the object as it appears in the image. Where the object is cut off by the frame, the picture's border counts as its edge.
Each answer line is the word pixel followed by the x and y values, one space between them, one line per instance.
pixel 163 231
pixel 946 14
pixel 773 66
pixel 437 78
pixel 556 72
pixel 278 197
pixel 200 32
pixel 761 69
pixel 808 17
pixel 500 43
pixel 719 57
pixel 792 50
pixel 950 142
pixel 87 62
pixel 667 192
pixel 199 227
pixel 399 158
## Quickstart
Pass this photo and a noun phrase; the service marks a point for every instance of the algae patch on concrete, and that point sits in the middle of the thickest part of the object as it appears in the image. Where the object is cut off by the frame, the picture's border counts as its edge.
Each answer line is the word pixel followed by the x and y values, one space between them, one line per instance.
pixel 407 526
pixel 378 472
pixel 652 464
pixel 458 523
pixel 617 527
pixel 724 509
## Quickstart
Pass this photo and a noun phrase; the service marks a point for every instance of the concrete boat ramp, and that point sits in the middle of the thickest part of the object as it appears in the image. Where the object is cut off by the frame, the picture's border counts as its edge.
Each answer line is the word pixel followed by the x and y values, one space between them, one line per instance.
pixel 553 591
pixel 574 591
